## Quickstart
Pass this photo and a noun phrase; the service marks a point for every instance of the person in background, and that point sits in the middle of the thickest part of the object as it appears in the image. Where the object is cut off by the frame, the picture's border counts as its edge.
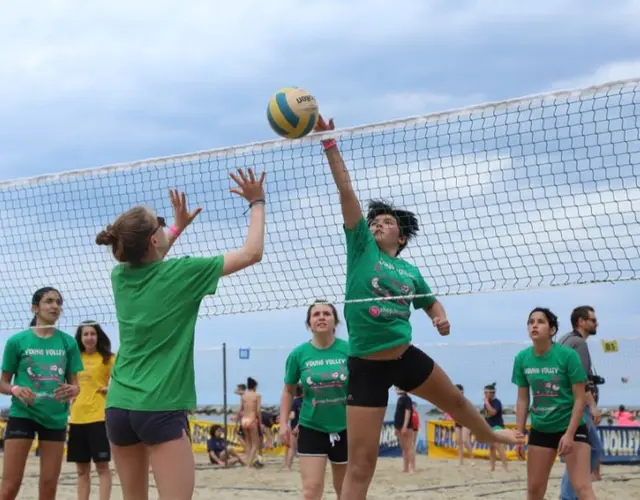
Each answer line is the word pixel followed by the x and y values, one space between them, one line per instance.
pixel 239 432
pixel 219 450
pixel 625 418
pixel 87 430
pixel 585 324
pixel 492 410
pixel 463 437
pixel 40 367
pixel 403 423
pixel 415 421
pixel 553 375
pixel 320 366
pixel 251 420
pixel 294 416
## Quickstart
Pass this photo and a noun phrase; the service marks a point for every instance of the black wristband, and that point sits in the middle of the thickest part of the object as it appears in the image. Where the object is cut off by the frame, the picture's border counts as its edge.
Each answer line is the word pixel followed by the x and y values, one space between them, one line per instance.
pixel 256 202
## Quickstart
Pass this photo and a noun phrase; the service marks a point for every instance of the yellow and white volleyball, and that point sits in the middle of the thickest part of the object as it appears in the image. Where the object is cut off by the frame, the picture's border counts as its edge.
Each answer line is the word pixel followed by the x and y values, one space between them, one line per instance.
pixel 292 112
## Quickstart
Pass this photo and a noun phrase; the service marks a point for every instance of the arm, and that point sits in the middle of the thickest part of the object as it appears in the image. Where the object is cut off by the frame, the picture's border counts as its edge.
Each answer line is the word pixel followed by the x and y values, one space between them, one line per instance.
pixel 5 383
pixel 286 402
pixel 522 409
pixel 251 252
pixel 491 411
pixel 407 419
pixel 438 315
pixel 579 403
pixel 253 248
pixel 351 211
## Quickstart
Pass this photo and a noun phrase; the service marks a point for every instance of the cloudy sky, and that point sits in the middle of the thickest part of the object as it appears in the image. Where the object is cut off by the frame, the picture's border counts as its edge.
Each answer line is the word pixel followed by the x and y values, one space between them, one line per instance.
pixel 91 84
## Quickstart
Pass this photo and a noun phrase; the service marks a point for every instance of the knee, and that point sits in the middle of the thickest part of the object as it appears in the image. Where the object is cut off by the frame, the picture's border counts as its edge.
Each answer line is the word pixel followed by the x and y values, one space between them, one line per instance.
pixel 312 490
pixel 48 486
pixel 103 469
pixel 361 467
pixel 536 490
pixel 84 471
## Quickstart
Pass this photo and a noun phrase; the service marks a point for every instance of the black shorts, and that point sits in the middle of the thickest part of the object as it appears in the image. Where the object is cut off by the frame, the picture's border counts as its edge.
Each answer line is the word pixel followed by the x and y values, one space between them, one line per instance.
pixel 552 439
pixel 25 428
pixel 370 380
pixel 88 442
pixel 312 443
pixel 129 427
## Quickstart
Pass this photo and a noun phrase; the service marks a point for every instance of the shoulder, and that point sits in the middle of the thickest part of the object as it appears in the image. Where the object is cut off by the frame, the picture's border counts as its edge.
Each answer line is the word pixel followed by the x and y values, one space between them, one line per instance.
pixel 570 340
pixel 524 353
pixel 18 336
pixel 566 352
pixel 342 345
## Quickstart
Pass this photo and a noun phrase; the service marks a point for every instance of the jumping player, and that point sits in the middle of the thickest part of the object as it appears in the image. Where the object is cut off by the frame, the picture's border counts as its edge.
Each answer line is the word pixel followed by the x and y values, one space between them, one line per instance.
pixel 40 368
pixel 157 301
pixel 87 431
pixel 555 376
pixel 381 353
pixel 320 365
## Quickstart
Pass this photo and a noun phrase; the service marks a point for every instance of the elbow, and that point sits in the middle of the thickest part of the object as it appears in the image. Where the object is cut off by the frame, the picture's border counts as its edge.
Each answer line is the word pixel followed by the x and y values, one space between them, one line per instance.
pixel 256 256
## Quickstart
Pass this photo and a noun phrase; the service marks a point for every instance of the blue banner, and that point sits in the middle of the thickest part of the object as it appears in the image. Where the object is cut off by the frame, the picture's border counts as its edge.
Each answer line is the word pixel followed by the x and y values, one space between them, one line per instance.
pixel 620 445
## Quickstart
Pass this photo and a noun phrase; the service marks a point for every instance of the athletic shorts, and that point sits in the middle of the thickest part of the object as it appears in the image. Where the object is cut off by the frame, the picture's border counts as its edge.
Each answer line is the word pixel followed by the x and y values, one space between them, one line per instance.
pixel 129 427
pixel 552 439
pixel 312 443
pixel 25 428
pixel 370 380
pixel 88 442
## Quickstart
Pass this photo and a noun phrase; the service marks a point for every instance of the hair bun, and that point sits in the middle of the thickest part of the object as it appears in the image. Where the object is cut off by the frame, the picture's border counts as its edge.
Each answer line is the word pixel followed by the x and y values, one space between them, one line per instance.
pixel 106 237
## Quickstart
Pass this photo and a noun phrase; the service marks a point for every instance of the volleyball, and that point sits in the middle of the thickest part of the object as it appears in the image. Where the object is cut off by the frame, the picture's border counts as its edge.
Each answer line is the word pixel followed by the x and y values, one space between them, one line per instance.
pixel 292 112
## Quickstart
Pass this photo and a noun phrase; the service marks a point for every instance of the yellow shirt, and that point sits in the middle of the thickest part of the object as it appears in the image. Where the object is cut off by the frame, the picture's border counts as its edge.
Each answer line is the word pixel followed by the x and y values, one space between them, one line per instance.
pixel 89 406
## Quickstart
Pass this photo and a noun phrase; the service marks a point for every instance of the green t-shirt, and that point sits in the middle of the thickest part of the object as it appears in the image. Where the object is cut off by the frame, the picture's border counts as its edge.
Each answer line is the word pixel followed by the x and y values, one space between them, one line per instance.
pixel 378 325
pixel 157 307
pixel 550 377
pixel 42 364
pixel 323 375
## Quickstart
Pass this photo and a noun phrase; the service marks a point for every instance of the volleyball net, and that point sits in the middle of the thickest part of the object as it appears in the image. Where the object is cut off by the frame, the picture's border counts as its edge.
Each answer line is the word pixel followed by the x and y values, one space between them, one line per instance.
pixel 531 192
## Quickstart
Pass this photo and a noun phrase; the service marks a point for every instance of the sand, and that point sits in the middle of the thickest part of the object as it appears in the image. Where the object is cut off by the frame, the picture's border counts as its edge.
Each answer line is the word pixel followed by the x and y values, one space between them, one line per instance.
pixel 435 479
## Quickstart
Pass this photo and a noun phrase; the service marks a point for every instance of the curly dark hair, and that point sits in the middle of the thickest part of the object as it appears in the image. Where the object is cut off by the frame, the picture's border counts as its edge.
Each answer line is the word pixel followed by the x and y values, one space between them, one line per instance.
pixel 407 221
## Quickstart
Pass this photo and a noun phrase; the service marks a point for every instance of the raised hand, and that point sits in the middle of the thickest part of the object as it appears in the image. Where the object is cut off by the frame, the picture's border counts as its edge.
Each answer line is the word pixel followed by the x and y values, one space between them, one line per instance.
pixel 323 126
pixel 250 188
pixel 182 217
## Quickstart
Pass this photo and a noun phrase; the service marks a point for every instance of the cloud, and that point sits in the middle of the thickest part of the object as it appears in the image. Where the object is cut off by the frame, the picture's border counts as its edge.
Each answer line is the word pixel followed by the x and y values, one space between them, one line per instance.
pixel 612 71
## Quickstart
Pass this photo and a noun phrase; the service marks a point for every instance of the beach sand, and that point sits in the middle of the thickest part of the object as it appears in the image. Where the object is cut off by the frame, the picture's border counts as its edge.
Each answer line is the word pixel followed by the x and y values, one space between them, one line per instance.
pixel 435 479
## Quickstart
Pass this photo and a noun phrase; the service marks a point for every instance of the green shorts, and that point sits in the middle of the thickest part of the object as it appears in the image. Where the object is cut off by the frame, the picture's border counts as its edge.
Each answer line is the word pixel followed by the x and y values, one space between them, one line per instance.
pixel 497 428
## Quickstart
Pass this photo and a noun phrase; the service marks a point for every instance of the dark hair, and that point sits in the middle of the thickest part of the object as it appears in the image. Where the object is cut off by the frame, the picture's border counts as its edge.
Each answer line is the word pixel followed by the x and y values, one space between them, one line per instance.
pixel 407 221
pixel 459 387
pixel 103 345
pixel 621 408
pixel 37 297
pixel 129 235
pixel 580 312
pixel 490 387
pixel 242 387
pixel 213 429
pixel 552 319
pixel 320 302
pixel 252 383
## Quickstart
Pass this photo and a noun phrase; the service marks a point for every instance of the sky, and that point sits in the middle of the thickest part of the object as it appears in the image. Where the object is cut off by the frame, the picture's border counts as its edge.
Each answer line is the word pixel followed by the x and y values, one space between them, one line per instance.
pixel 87 85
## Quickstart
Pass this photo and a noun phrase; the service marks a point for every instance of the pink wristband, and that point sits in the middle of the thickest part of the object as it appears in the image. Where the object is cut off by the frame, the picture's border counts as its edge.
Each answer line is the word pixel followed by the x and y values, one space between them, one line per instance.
pixel 329 143
pixel 173 230
pixel 14 389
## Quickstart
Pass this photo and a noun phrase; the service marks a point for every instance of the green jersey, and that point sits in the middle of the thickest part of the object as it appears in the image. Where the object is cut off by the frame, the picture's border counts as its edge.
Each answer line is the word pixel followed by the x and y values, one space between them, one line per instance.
pixel 323 375
pixel 157 307
pixel 376 325
pixel 42 364
pixel 550 377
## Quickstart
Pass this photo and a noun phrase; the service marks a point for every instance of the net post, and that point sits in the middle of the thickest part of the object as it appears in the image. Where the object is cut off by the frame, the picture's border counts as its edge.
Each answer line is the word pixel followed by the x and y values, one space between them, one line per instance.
pixel 224 397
